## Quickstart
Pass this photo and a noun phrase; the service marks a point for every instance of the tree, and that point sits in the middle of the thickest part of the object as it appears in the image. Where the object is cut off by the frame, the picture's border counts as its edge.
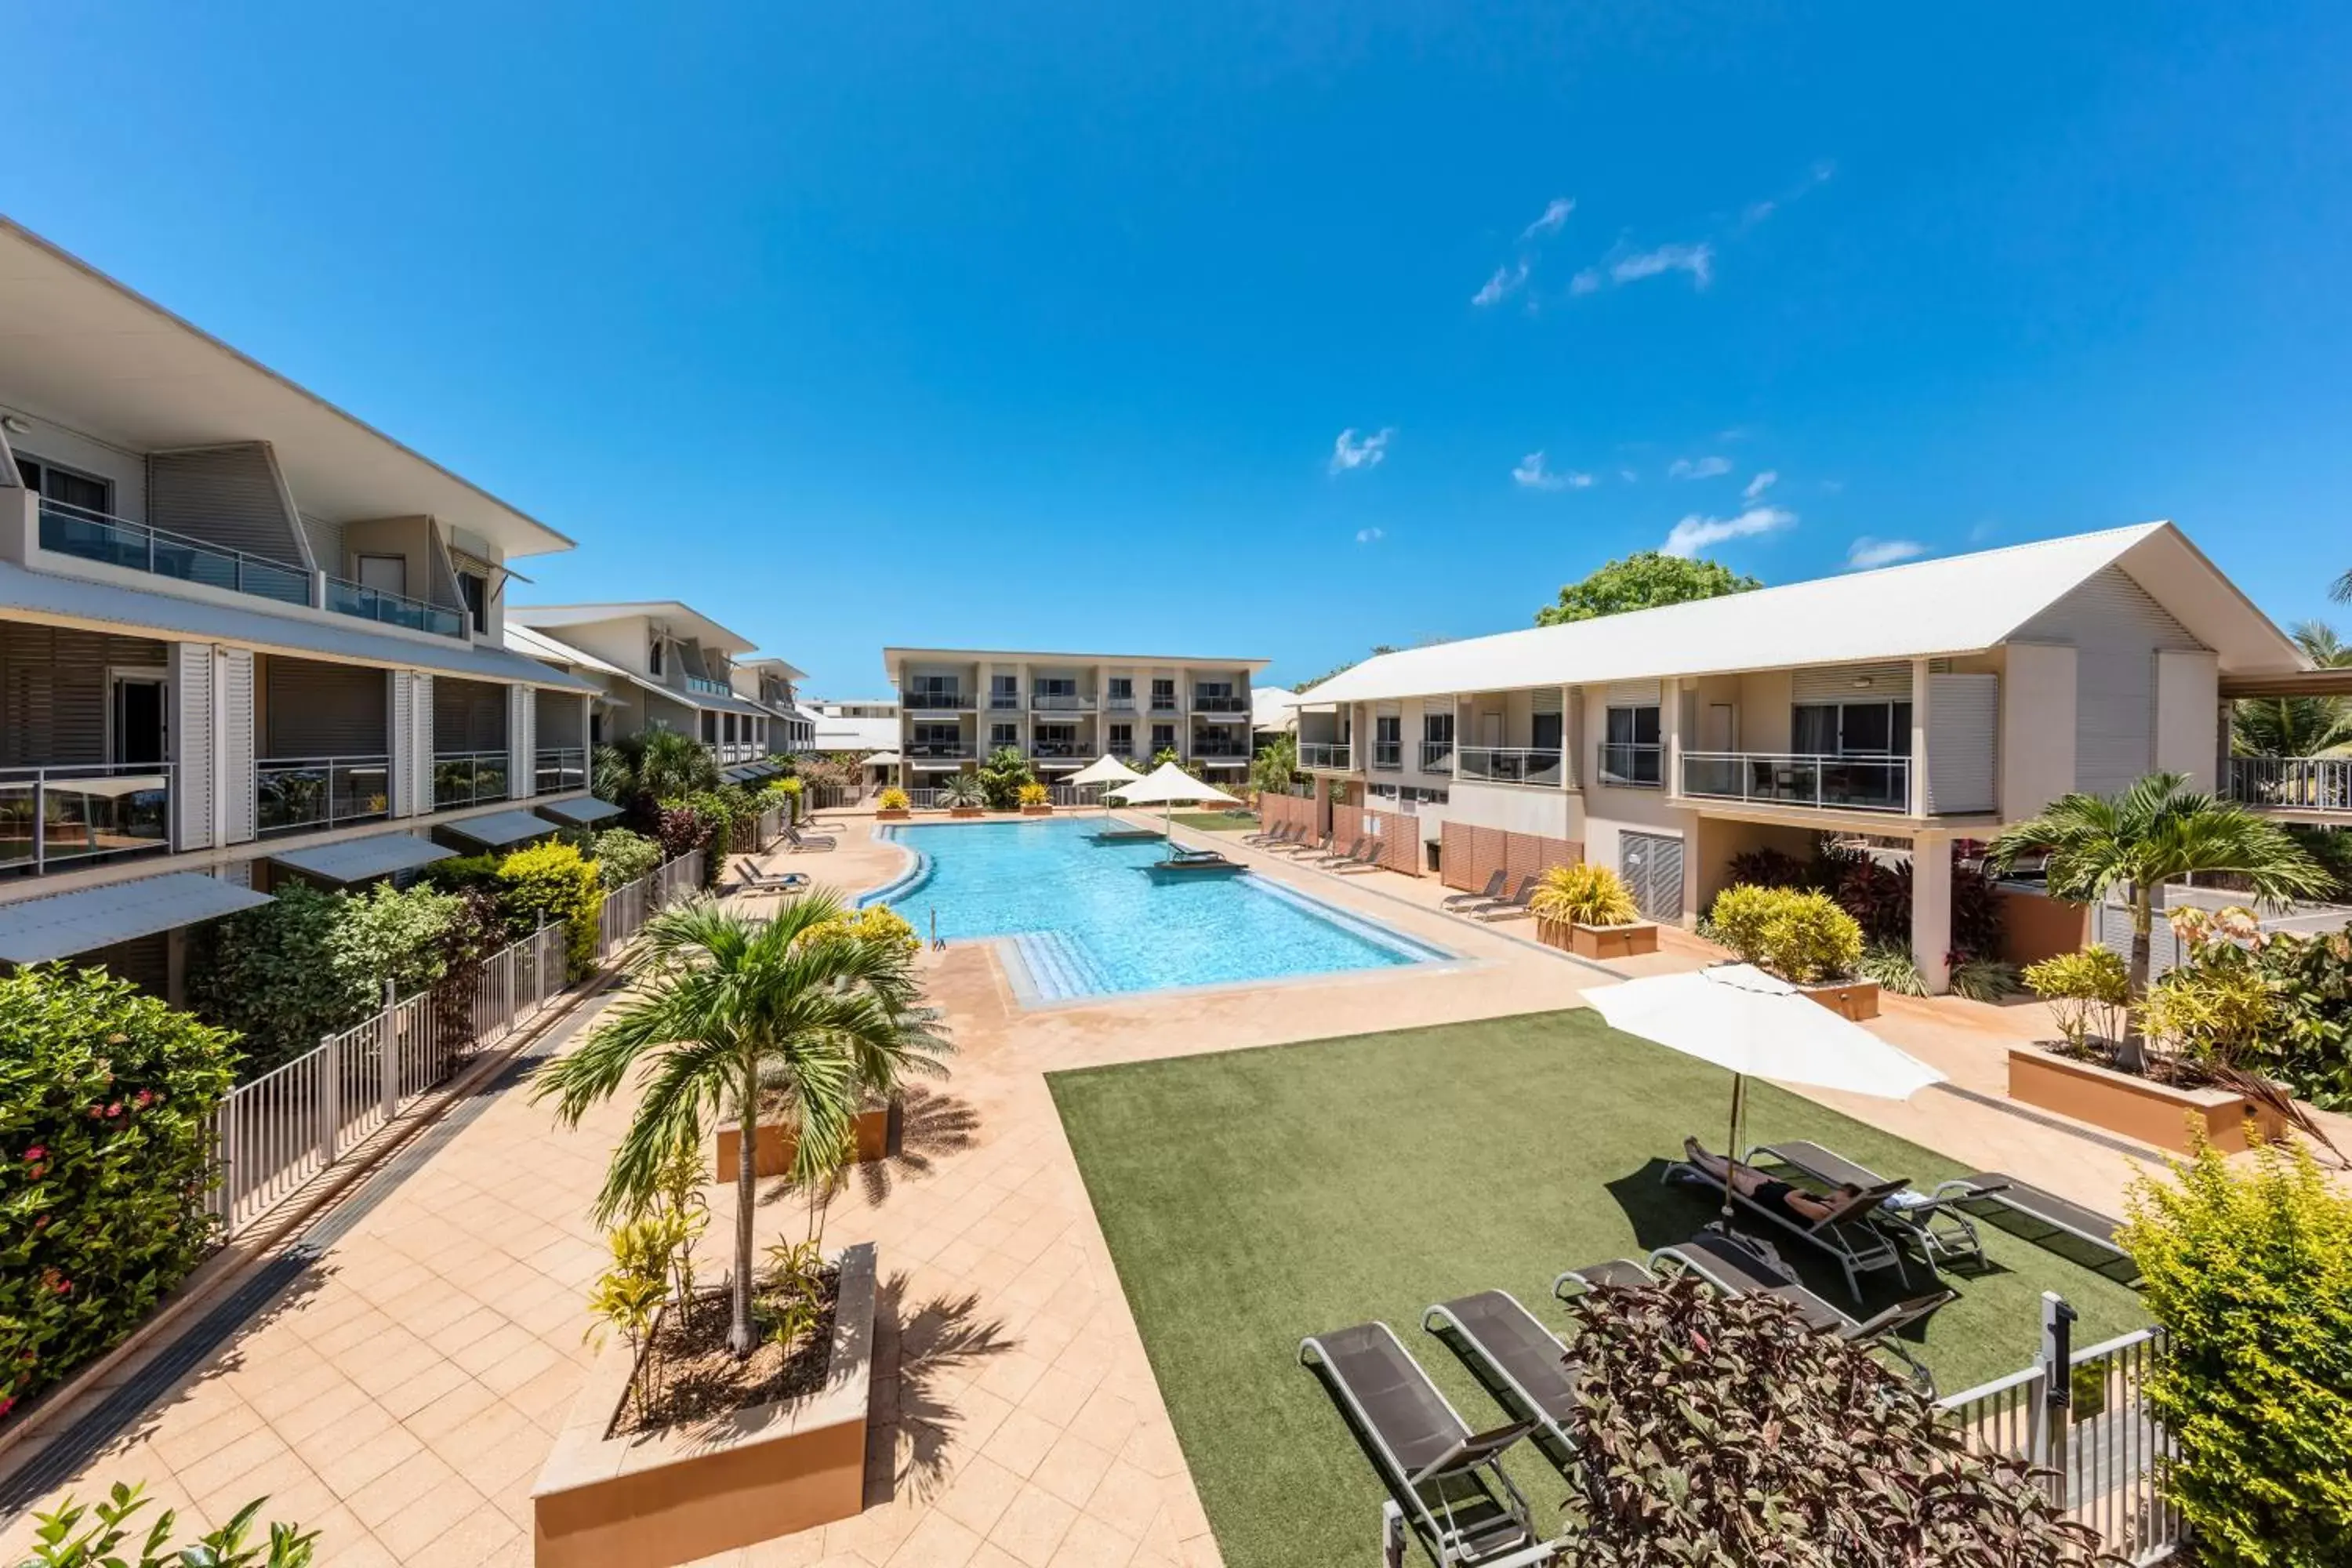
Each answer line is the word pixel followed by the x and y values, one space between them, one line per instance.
pixel 2157 831
pixel 724 1011
pixel 2296 726
pixel 655 765
pixel 1002 777
pixel 1275 766
pixel 1642 581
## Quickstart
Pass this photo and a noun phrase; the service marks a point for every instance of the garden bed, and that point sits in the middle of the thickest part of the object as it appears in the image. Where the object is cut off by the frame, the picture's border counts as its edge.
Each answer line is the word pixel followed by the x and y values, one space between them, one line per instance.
pixel 1037 810
pixel 892 814
pixel 1853 999
pixel 2156 1113
pixel 618 1494
pixel 1630 941
pixel 967 813
pixel 876 1130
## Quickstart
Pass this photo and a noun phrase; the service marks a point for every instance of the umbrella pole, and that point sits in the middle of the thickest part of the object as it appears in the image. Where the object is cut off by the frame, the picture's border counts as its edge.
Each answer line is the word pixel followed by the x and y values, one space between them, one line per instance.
pixel 1731 1155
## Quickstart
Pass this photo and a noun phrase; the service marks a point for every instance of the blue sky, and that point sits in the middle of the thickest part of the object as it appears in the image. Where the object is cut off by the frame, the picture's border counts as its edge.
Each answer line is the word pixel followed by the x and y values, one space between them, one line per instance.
pixel 1235 328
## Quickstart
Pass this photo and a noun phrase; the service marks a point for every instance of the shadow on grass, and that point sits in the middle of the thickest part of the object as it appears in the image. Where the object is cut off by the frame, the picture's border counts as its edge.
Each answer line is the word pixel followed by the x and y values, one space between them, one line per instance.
pixel 924 1357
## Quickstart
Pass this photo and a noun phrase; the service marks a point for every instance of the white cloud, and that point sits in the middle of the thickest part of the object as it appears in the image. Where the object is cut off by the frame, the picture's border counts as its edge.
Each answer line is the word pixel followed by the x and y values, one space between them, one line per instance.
pixel 1629 475
pixel 1866 552
pixel 1699 260
pixel 1501 285
pixel 1759 484
pixel 1555 214
pixel 1585 282
pixel 1532 475
pixel 1698 469
pixel 1694 533
pixel 1369 536
pixel 1348 452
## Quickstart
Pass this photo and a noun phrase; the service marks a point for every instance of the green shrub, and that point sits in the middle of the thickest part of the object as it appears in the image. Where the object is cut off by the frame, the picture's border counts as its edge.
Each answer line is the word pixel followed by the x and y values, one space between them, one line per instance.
pixel 875 923
pixel 2249 1272
pixel 464 871
pixel 1002 777
pixel 104 1163
pixel 551 883
pixel 1803 937
pixel 1985 978
pixel 719 811
pixel 623 856
pixel 1892 969
pixel 781 795
pixel 79 1535
pixel 310 963
pixel 2087 992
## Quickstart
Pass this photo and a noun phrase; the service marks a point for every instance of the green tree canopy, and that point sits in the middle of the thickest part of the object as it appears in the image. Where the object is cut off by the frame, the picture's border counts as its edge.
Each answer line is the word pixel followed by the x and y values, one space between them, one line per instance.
pixel 1642 581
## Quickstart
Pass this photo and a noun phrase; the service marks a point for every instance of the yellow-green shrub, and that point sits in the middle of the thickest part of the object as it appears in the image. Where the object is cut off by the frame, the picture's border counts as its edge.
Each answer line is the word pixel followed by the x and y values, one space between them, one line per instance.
pixel 1803 937
pixel 2087 992
pixel 893 799
pixel 2249 1272
pixel 875 923
pixel 1035 794
pixel 1585 895
pixel 555 883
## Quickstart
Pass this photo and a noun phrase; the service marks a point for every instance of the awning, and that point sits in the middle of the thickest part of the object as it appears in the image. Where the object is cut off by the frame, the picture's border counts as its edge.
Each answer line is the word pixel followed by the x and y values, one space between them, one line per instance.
pixel 500 829
pixel 580 809
pixel 883 760
pixel 357 859
pixel 741 772
pixel 63 925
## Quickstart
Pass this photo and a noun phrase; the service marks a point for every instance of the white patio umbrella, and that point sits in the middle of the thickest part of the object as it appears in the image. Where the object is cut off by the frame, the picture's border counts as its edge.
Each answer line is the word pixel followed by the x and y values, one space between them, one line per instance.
pixel 1105 770
pixel 1171 786
pixel 1737 1017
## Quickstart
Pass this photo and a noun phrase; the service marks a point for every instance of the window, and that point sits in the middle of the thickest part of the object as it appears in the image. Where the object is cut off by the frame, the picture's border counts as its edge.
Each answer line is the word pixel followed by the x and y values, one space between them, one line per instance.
pixel 710 728
pixel 1544 732
pixel 1164 695
pixel 1056 685
pixel 1438 729
pixel 385 573
pixel 85 491
pixel 1004 691
pixel 1213 689
pixel 935 687
pixel 1631 754
pixel 1163 738
pixel 1850 729
pixel 1122 740
pixel 654 657
pixel 1122 687
pixel 475 589
pixel 1004 734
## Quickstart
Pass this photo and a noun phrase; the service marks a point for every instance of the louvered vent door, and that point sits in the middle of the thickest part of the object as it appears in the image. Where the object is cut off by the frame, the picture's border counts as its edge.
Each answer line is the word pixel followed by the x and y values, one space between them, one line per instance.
pixel 1651 867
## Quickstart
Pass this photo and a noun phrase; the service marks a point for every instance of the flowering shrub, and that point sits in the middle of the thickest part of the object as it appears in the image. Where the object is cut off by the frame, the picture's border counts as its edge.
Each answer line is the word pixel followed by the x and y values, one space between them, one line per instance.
pixel 104 1095
pixel 552 883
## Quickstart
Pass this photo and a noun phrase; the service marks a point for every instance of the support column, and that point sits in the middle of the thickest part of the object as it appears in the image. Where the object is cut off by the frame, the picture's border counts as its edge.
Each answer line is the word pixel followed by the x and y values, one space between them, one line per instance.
pixel 1669 730
pixel 1922 697
pixel 1931 908
pixel 1322 806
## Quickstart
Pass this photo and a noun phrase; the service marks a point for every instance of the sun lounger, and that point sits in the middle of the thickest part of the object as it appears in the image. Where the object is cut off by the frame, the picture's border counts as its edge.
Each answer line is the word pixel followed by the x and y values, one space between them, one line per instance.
pixel 792 837
pixel 2077 1233
pixel 1518 1360
pixel 1943 1235
pixel 751 879
pixel 1616 1274
pixel 1368 860
pixel 1845 1233
pixel 1282 832
pixel 1443 1481
pixel 1738 1266
pixel 1510 909
pixel 1488 894
pixel 1355 847
pixel 1304 847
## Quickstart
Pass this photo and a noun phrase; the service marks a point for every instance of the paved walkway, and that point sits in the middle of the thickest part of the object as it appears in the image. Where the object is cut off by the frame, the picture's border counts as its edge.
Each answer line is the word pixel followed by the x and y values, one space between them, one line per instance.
pixel 401 1396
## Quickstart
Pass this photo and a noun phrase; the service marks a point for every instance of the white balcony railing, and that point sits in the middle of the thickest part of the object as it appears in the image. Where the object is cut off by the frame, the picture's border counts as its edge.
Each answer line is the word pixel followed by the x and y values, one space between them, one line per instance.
pixel 1633 766
pixel 1388 756
pixel 561 769
pixel 1509 764
pixel 68 814
pixel 2311 784
pixel 1321 754
pixel 1848 784
pixel 1437 756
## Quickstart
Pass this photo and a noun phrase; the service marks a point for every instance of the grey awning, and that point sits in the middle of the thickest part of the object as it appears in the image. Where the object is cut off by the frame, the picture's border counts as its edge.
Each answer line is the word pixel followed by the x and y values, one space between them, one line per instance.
pixel 500 829
pixel 63 925
pixel 740 773
pixel 357 859
pixel 580 809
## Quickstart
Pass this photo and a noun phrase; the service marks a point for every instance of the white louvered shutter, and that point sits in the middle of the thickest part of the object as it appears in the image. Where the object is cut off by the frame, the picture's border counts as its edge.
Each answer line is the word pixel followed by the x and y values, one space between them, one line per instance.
pixel 236 783
pixel 192 733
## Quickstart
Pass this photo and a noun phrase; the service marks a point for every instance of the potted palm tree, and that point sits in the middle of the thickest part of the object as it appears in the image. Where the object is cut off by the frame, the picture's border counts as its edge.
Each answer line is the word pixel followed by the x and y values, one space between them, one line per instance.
pixel 813 1014
pixel 1588 910
pixel 892 805
pixel 1036 800
pixel 965 795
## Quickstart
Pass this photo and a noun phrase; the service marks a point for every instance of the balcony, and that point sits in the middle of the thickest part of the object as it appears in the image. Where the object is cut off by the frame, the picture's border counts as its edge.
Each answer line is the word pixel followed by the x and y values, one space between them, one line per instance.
pixel 1634 765
pixel 1825 783
pixel 297 794
pixel 62 816
pixel 559 770
pixel 1437 756
pixel 93 536
pixel 1388 756
pixel 2297 783
pixel 1005 702
pixel 703 685
pixel 1509 764
pixel 726 753
pixel 939 751
pixel 1164 702
pixel 1058 749
pixel 467 778
pixel 1061 702
pixel 1322 754
pixel 1220 704
pixel 940 703
pixel 346 598
pixel 1119 704
pixel 1220 749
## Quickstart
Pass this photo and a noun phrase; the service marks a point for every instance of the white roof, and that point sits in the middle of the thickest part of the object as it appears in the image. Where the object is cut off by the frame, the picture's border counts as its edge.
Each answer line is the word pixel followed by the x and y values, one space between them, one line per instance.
pixel 1272 707
pixel 834 734
pixel 678 617
pixel 1958 605
pixel 80 349
pixel 62 924
pixel 357 859
pixel 537 645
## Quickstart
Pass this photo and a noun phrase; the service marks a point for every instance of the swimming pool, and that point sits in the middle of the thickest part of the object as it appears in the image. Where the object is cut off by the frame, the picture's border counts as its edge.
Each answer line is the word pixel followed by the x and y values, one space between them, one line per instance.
pixel 1082 918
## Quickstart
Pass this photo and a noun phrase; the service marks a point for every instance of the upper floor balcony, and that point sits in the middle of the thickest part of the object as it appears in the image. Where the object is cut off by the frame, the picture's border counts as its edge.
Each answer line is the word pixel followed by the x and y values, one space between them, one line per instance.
pixel 309 795
pixel 1826 782
pixel 1330 756
pixel 2316 787
pixel 1062 701
pixel 1541 765
pixel 1634 765
pixel 703 685
pixel 391 609
pixel 939 699
pixel 1218 704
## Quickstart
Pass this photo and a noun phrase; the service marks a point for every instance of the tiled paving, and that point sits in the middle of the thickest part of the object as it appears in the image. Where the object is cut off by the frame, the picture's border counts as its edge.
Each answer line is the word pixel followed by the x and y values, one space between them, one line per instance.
pixel 403 1394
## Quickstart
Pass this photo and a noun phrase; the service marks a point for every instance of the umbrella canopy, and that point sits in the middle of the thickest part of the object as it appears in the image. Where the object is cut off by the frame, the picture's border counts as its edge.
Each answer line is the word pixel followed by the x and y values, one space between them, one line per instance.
pixel 1171 786
pixel 1105 770
pixel 1739 1017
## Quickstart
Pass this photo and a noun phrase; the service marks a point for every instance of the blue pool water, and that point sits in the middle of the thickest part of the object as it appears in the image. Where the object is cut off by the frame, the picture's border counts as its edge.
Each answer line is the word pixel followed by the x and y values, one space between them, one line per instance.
pixel 1086 919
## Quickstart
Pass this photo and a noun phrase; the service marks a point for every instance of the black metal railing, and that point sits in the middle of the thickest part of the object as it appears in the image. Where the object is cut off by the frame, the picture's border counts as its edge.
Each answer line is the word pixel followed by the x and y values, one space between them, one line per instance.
pixel 467 778
pixel 292 793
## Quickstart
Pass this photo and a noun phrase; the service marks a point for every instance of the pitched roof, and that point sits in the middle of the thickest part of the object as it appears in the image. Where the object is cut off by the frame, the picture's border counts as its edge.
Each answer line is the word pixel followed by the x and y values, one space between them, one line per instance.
pixel 1958 604
pixel 679 617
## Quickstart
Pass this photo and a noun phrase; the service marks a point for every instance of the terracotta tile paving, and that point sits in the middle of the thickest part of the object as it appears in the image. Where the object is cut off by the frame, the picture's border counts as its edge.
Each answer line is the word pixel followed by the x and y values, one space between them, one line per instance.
pixel 402 1396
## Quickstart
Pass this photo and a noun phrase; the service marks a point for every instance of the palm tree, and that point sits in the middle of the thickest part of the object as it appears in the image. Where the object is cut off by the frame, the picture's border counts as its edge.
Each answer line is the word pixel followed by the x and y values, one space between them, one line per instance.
pixel 1276 766
pixel 2296 726
pixel 2155 832
pixel 652 766
pixel 963 789
pixel 722 1007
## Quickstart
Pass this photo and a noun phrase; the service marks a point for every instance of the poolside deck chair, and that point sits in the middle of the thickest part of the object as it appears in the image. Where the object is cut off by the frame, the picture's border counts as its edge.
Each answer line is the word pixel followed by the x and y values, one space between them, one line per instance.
pixel 792 837
pixel 1738 1266
pixel 1443 1481
pixel 1618 1272
pixel 1945 1236
pixel 1281 833
pixel 1485 895
pixel 1511 909
pixel 1304 846
pixel 751 879
pixel 1516 1360
pixel 2074 1233
pixel 1845 1233
pixel 1355 847
pixel 1369 860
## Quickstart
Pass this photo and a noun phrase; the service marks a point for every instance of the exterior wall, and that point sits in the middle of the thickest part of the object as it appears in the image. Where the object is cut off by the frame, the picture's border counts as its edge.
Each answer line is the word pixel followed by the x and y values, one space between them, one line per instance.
pixel 1709 847
pixel 622 642
pixel 307 708
pixel 2037 727
pixel 126 471
pixel 1515 808
pixel 2117 630
pixel 411 538
pixel 2188 698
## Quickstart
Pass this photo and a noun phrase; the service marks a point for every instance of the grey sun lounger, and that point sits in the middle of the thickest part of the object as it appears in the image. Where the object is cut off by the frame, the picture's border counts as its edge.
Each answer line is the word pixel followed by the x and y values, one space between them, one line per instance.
pixel 1738 1267
pixel 751 879
pixel 1444 1481
pixel 1512 908
pixel 1368 859
pixel 1518 1360
pixel 1300 847
pixel 1945 1236
pixel 1274 836
pixel 1355 847
pixel 1488 894
pixel 1847 1233
pixel 792 837
pixel 1617 1273
pixel 2074 1233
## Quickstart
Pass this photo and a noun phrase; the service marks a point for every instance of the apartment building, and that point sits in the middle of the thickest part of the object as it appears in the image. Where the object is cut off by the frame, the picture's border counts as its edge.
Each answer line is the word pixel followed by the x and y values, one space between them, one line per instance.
pixel 1062 711
pixel 769 684
pixel 1916 707
pixel 243 636
pixel 656 665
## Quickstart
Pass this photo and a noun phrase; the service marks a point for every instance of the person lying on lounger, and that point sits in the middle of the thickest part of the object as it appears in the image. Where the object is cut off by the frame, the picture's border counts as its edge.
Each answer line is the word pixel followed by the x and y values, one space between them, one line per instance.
pixel 1766 1191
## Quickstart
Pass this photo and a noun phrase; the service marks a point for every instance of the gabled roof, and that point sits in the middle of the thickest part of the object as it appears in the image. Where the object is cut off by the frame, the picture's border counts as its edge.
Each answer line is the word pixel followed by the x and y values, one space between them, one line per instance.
pixel 682 619
pixel 83 351
pixel 539 646
pixel 770 661
pixel 1958 605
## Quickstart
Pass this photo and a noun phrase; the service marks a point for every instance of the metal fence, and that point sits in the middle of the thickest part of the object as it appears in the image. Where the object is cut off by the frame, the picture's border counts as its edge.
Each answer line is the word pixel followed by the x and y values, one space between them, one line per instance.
pixel 2091 1431
pixel 274 1134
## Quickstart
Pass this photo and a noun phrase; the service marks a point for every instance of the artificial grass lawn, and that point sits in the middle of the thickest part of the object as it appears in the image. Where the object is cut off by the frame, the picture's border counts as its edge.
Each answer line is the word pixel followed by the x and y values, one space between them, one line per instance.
pixel 1217 821
pixel 1254 1197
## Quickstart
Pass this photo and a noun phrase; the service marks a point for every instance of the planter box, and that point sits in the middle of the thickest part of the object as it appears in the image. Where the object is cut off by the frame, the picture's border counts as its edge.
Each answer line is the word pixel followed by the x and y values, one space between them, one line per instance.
pixel 877 1130
pixel 1046 810
pixel 1853 999
pixel 2154 1113
pixel 1612 941
pixel 966 813
pixel 656 1498
pixel 892 814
